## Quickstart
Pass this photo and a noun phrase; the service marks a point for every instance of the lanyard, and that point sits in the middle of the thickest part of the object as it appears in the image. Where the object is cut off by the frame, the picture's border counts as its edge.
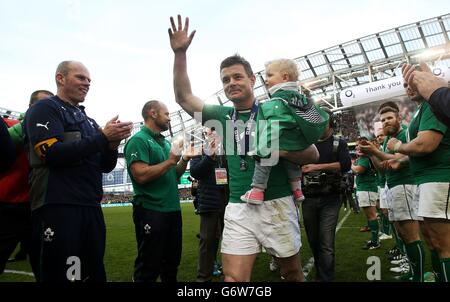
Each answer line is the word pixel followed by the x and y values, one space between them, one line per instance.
pixel 248 128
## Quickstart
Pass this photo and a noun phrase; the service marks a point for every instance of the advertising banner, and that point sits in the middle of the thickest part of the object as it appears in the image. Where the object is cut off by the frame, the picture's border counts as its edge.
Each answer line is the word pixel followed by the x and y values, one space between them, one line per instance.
pixel 383 89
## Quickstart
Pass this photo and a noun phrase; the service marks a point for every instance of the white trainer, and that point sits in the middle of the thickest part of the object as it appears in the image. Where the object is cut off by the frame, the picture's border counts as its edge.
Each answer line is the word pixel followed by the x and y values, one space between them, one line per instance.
pixel 404 259
pixel 384 236
pixel 403 269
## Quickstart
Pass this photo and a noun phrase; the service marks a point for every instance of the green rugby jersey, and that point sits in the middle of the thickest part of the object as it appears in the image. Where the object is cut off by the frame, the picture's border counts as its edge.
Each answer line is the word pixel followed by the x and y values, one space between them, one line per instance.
pixel 403 176
pixel 160 194
pixel 366 181
pixel 435 166
pixel 240 181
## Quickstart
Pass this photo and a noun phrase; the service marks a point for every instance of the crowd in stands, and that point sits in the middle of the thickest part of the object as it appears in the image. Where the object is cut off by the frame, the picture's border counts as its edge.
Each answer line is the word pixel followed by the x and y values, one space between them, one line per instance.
pixel 117 198
pixel 124 197
pixel 347 124
pixel 185 194
pixel 367 115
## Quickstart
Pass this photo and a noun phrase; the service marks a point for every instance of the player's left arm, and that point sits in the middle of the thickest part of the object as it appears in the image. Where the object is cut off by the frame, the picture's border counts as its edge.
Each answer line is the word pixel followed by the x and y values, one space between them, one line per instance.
pixel 426 142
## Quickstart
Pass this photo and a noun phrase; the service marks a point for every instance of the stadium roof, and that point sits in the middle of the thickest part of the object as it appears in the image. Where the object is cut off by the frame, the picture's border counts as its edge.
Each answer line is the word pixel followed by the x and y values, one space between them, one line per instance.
pixel 326 72
pixel 371 58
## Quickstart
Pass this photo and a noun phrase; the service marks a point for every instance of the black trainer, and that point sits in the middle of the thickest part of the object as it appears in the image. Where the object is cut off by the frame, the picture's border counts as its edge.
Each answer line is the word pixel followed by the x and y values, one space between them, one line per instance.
pixel 372 245
pixel 393 250
pixel 395 257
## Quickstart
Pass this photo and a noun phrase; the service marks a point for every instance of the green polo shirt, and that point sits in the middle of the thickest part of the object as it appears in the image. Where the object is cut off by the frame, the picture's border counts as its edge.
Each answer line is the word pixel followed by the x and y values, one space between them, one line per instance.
pixel 366 181
pixel 160 194
pixel 434 166
pixel 240 181
pixel 404 175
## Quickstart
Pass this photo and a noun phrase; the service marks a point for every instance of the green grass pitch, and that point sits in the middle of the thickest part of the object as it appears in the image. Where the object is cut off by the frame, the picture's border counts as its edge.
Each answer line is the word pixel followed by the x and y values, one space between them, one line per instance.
pixel 121 251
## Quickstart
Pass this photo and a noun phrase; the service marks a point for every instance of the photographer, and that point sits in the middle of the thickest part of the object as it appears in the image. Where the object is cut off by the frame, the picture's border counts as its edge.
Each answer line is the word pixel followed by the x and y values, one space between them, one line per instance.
pixel 321 186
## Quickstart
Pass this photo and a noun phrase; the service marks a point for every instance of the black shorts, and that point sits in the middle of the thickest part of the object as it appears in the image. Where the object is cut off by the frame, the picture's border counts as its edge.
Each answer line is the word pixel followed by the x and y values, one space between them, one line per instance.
pixel 159 240
pixel 69 243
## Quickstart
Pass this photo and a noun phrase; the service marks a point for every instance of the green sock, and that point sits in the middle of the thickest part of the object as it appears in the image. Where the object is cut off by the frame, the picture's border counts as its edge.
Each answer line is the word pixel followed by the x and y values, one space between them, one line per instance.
pixel 374 228
pixel 378 211
pixel 445 269
pixel 386 225
pixel 398 240
pixel 381 221
pixel 436 264
pixel 416 256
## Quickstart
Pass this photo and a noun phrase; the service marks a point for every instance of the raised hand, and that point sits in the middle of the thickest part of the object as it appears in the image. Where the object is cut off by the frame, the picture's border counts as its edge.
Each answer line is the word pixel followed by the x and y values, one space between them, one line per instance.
pixel 422 80
pixel 176 149
pixel 191 151
pixel 213 143
pixel 115 131
pixel 179 39
pixel 367 147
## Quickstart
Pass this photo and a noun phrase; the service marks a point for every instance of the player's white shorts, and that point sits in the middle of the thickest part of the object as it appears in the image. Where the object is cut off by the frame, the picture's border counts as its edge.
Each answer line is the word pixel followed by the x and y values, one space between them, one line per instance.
pixel 274 225
pixel 367 198
pixel 389 203
pixel 404 203
pixel 434 200
pixel 383 198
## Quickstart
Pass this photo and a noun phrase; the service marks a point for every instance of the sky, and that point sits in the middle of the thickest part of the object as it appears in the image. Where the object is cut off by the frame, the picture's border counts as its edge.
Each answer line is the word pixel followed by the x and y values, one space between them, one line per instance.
pixel 125 44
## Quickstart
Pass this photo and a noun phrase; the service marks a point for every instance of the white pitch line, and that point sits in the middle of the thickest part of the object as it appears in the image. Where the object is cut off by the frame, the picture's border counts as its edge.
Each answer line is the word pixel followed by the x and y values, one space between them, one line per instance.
pixel 18 272
pixel 309 265
pixel 339 226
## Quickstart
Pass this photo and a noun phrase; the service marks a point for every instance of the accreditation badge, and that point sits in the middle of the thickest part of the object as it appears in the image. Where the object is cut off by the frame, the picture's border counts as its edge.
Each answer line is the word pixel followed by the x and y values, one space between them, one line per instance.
pixel 221 176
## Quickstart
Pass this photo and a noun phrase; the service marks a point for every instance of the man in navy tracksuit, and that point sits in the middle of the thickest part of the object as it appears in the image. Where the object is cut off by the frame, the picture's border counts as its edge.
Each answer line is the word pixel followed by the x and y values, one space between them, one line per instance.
pixel 68 153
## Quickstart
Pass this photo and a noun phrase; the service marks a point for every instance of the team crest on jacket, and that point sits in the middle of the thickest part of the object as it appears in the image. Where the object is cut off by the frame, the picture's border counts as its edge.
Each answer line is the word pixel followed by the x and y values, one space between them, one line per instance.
pixel 147 229
pixel 48 235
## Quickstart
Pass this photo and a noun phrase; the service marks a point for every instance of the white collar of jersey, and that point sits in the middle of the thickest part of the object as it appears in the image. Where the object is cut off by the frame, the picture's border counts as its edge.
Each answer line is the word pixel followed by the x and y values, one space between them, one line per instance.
pixel 285 86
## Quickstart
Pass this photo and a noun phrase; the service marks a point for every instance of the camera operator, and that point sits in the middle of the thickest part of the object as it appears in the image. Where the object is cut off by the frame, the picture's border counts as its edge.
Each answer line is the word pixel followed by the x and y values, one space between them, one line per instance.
pixel 322 185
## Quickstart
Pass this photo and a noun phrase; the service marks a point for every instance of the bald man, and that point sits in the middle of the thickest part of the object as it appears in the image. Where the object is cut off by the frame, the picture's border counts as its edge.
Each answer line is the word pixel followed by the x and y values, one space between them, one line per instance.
pixel 154 169
pixel 68 154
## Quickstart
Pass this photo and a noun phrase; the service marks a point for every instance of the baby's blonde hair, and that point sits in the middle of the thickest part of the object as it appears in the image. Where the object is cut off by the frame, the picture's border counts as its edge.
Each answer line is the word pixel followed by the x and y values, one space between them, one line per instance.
pixel 285 65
